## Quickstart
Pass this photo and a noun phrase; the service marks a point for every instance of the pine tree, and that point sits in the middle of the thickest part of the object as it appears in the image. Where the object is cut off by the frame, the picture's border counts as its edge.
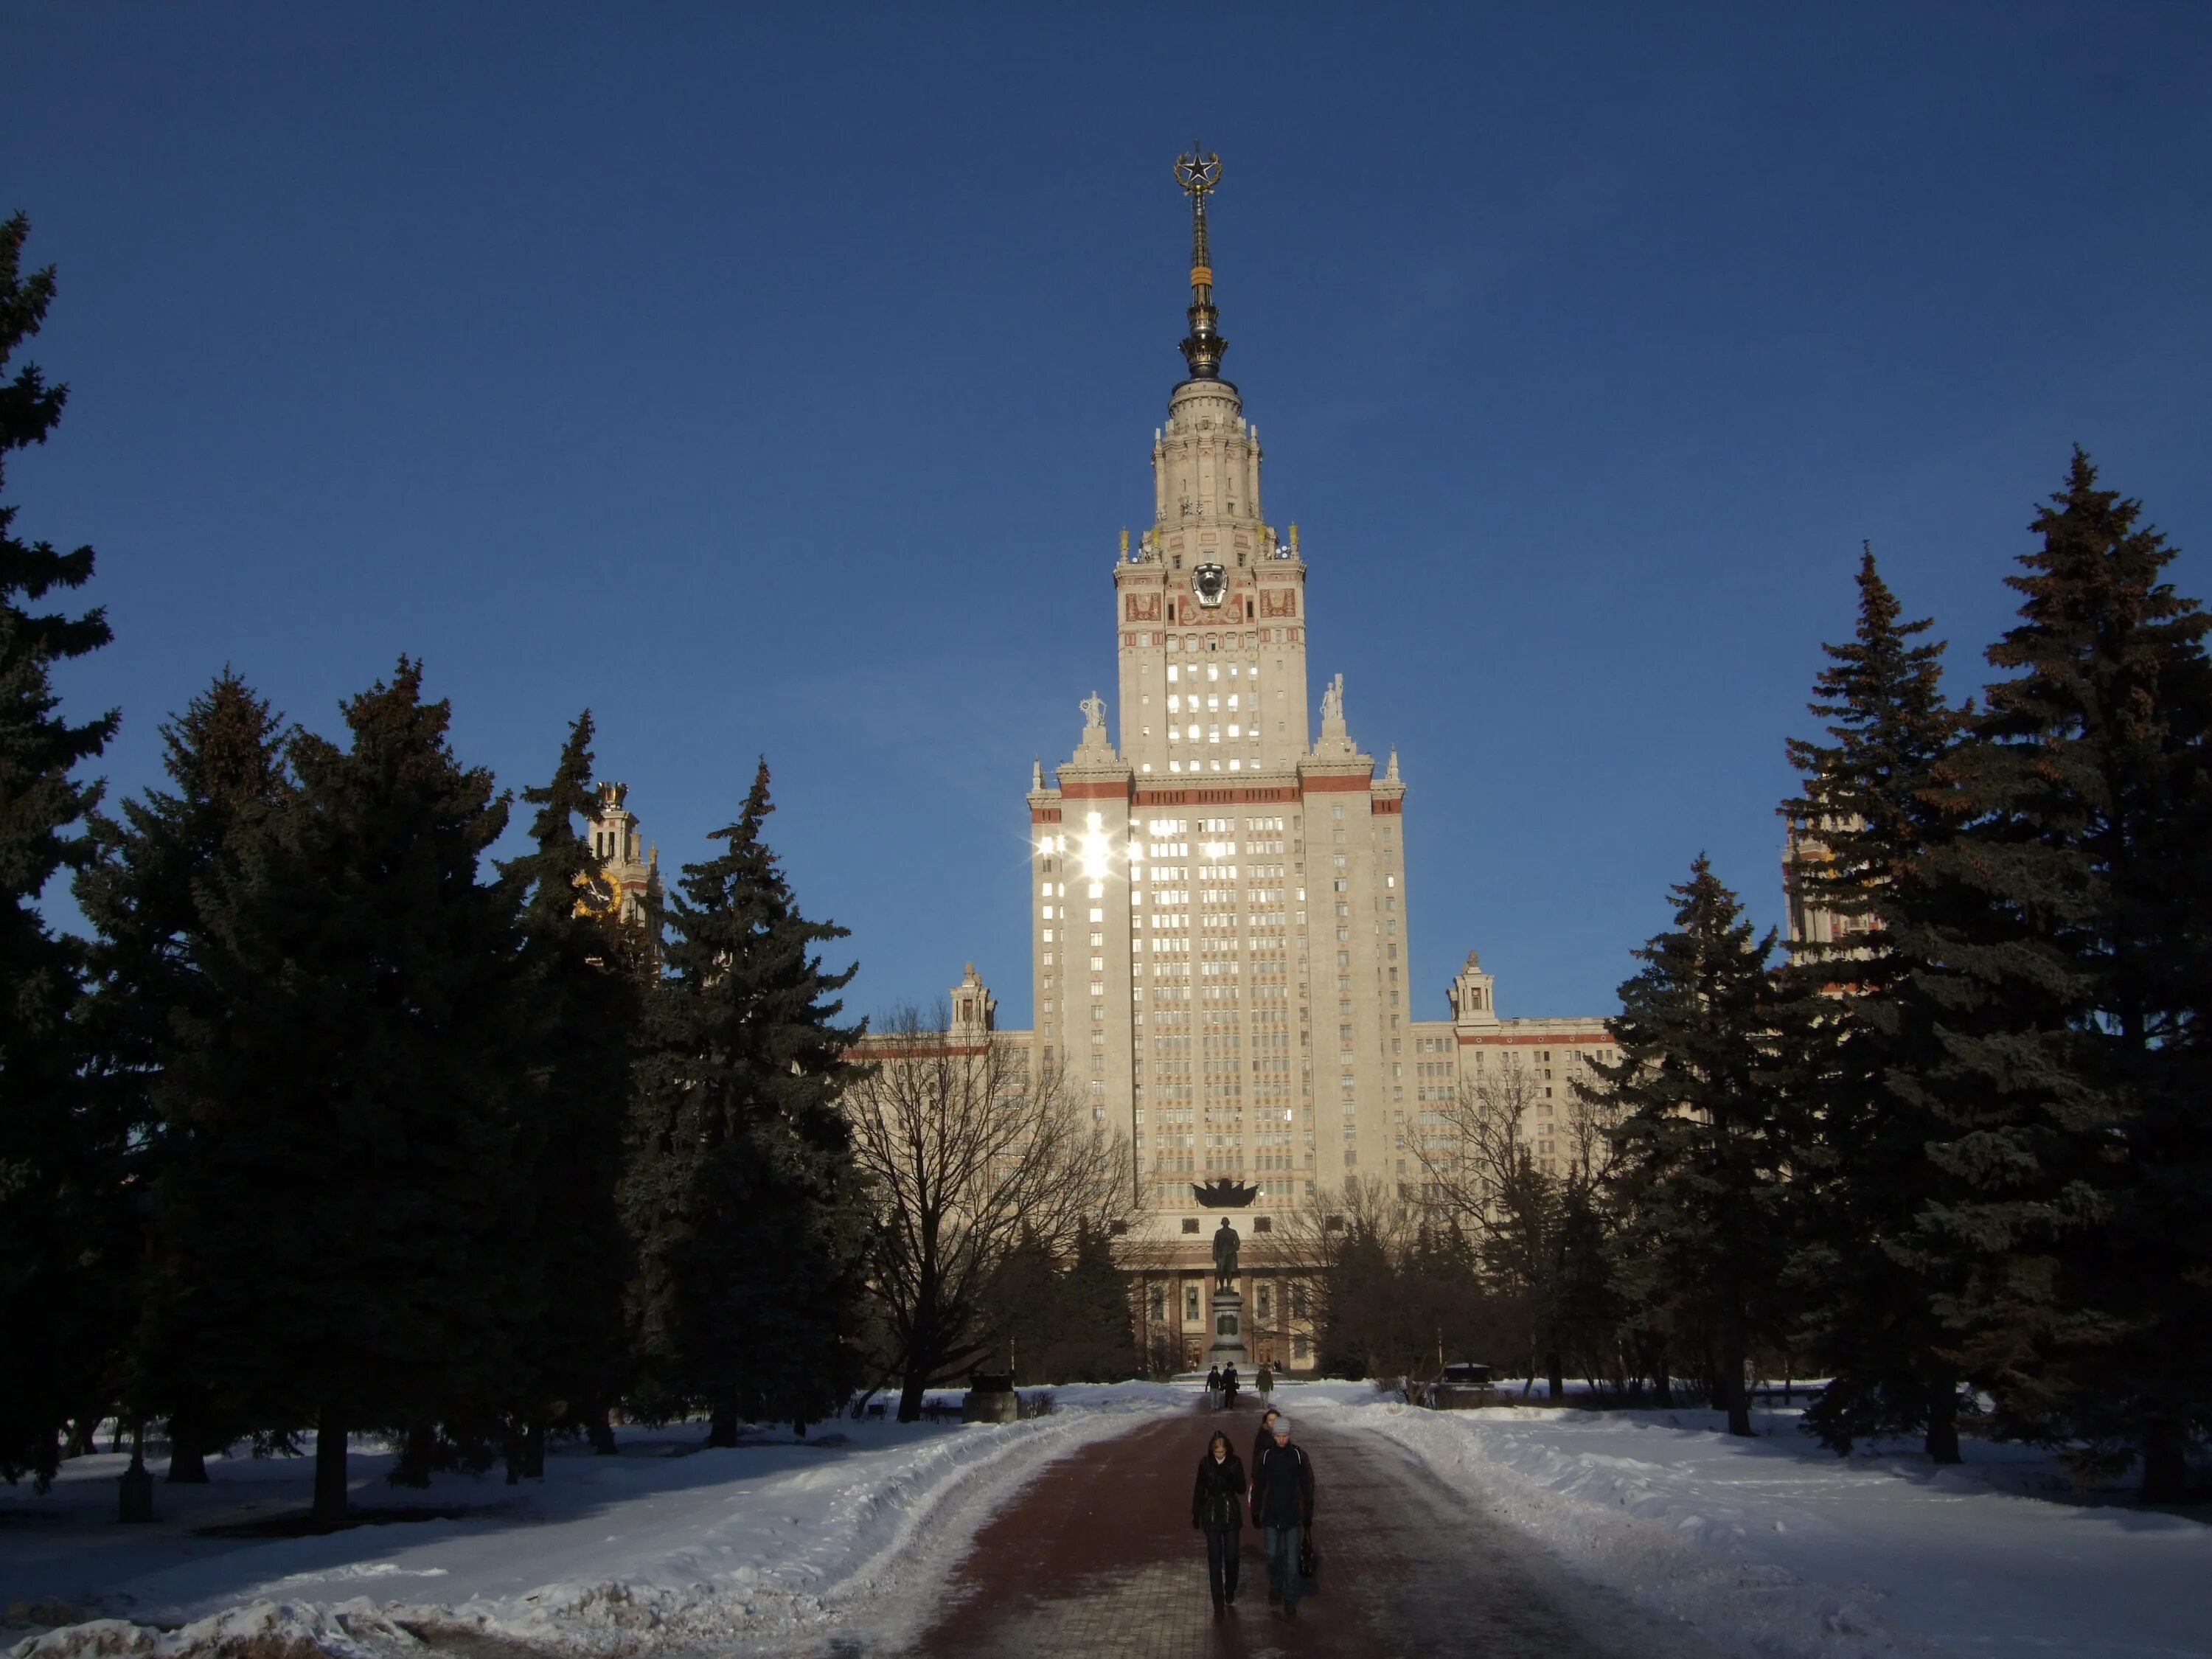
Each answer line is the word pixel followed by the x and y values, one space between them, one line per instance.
pixel 1706 1090
pixel 748 1218
pixel 1098 1335
pixel 2070 984
pixel 1872 804
pixel 332 1249
pixel 583 1008
pixel 61 1285
pixel 225 756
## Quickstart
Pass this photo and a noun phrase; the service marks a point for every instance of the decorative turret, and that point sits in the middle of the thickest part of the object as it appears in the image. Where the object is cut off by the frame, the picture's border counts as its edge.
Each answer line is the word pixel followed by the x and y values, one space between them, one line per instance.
pixel 1199 173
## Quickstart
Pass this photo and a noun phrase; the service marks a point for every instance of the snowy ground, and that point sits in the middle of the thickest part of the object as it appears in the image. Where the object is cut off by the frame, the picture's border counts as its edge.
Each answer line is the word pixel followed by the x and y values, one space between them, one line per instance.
pixel 667 1545
pixel 1775 1547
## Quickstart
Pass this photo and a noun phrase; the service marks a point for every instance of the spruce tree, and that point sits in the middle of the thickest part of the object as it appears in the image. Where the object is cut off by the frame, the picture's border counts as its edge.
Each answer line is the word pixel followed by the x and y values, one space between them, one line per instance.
pixel 61 1284
pixel 225 757
pixel 1872 802
pixel 2070 984
pixel 581 1009
pixel 1705 1092
pixel 333 1248
pixel 1098 1337
pixel 741 1195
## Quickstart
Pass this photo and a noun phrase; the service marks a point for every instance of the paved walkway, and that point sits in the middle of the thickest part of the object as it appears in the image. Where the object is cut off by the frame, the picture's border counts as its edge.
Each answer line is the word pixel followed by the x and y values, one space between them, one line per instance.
pixel 1096 1557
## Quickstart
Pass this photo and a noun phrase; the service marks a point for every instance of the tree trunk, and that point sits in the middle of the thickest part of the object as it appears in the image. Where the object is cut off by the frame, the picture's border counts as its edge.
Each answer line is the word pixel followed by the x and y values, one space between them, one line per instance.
pixel 135 1501
pixel 722 1426
pixel 533 1450
pixel 1555 1377
pixel 83 1437
pixel 188 1445
pixel 417 1451
pixel 1662 1386
pixel 1730 1379
pixel 912 1387
pixel 1942 1438
pixel 600 1432
pixel 2165 1464
pixel 330 1466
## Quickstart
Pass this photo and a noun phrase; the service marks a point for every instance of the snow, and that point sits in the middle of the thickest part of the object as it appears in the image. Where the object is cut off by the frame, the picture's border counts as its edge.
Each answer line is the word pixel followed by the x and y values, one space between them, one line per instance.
pixel 667 1544
pixel 1773 1547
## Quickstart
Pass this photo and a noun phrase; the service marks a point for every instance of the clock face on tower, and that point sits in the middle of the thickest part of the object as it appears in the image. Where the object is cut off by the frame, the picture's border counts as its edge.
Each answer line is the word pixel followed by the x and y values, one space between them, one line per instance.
pixel 1210 582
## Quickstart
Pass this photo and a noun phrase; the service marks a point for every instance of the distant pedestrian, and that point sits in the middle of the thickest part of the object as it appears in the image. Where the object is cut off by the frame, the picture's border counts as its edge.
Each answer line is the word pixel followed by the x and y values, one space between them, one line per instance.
pixel 1213 1390
pixel 1265 1384
pixel 1264 1441
pixel 1217 1509
pixel 1229 1385
pixel 1283 1507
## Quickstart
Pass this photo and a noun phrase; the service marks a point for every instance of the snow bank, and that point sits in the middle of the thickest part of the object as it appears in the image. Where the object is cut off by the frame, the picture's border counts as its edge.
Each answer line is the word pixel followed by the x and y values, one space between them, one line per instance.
pixel 666 1545
pixel 1779 1549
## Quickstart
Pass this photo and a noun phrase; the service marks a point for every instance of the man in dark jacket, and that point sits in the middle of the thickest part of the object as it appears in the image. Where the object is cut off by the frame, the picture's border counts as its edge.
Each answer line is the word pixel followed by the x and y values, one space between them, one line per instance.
pixel 1229 1385
pixel 1264 1441
pixel 1283 1506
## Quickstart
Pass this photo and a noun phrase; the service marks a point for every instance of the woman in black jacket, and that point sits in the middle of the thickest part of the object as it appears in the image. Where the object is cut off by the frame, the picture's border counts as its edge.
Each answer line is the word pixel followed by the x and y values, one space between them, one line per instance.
pixel 1217 1509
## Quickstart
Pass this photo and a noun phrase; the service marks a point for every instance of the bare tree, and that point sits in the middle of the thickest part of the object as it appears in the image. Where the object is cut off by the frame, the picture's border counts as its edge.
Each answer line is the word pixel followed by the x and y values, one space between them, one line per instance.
pixel 969 1152
pixel 1533 1229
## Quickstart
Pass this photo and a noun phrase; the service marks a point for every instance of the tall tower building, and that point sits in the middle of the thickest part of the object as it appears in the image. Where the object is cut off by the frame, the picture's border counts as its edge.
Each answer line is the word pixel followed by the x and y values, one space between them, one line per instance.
pixel 1218 912
pixel 1220 927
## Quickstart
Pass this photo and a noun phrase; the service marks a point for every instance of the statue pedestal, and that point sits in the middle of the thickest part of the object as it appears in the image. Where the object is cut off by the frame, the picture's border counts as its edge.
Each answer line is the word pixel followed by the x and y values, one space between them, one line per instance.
pixel 1228 1347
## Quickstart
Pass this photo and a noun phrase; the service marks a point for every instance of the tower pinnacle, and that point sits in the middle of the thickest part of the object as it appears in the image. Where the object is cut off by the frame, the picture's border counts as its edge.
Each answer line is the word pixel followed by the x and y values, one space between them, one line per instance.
pixel 1200 173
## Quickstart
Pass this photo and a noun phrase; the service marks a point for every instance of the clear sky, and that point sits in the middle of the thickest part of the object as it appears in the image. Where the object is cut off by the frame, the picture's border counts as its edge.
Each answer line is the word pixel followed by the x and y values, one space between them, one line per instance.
pixel 777 380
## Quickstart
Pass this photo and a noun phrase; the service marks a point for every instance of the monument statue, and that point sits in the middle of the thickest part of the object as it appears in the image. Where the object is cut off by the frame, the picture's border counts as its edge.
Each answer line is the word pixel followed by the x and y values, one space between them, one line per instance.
pixel 1094 712
pixel 1331 700
pixel 1225 1252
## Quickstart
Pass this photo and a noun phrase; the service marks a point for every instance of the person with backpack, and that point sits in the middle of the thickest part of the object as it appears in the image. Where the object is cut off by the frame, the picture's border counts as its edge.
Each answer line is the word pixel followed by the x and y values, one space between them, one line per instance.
pixel 1217 1509
pixel 1282 1507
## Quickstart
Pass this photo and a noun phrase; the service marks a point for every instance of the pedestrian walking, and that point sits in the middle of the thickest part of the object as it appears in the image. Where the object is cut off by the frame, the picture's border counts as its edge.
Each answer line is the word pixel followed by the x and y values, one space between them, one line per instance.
pixel 1213 1390
pixel 1217 1509
pixel 1266 1383
pixel 1282 1507
pixel 1229 1385
pixel 1264 1440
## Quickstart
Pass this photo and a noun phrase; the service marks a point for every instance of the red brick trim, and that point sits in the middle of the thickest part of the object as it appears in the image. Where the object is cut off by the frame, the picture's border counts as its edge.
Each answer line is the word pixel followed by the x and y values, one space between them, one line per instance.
pixel 1210 797
pixel 1327 785
pixel 1505 1039
pixel 1044 814
pixel 1094 791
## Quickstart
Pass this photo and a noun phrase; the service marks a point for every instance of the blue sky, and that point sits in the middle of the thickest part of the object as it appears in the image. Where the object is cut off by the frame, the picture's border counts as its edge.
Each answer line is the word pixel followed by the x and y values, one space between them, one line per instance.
pixel 778 380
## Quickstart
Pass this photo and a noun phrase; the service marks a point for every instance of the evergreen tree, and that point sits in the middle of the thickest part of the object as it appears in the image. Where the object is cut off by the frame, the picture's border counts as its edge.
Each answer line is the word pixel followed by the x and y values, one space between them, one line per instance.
pixel 225 756
pixel 333 1252
pixel 2070 986
pixel 1706 1088
pixel 748 1220
pixel 1098 1342
pixel 61 1285
pixel 582 1006
pixel 1872 804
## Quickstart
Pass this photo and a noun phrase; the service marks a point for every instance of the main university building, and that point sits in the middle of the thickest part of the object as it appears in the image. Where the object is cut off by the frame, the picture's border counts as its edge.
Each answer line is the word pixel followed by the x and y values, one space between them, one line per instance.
pixel 1220 919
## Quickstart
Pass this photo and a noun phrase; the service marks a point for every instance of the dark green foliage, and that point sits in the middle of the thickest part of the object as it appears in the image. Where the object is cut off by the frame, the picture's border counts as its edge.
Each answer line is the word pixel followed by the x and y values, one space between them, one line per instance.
pixel 1873 804
pixel 2069 981
pixel 331 1251
pixel 61 1284
pixel 1705 1087
pixel 580 1009
pixel 173 849
pixel 1053 1322
pixel 748 1223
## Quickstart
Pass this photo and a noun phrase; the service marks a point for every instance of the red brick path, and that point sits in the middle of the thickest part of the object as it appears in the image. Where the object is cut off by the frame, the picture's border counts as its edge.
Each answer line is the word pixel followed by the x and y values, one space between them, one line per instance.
pixel 1096 1559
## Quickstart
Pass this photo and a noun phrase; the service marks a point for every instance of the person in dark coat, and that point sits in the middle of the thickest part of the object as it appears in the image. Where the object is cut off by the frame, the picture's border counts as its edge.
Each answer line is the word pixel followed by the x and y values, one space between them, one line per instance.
pixel 1217 1509
pixel 1229 1385
pixel 1213 1390
pixel 1283 1507
pixel 1264 1440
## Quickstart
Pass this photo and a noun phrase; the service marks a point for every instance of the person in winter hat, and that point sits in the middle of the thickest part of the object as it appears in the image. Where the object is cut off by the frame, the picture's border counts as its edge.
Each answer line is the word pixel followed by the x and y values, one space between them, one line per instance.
pixel 1283 1507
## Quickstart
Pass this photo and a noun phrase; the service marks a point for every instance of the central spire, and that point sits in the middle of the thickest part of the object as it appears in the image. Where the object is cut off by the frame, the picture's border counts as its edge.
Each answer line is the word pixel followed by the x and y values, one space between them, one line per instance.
pixel 1199 173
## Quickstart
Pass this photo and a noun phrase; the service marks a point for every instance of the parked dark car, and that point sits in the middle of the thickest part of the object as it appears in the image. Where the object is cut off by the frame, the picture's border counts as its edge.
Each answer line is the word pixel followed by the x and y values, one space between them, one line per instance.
pixel 1457 1388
